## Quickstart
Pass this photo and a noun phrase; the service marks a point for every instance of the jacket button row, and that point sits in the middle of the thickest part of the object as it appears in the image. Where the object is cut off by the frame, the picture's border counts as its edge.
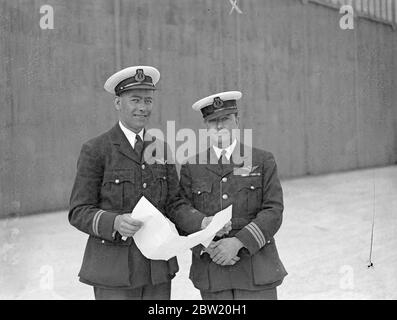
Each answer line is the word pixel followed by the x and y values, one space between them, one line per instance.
pixel 144 185
pixel 252 187
pixel 199 192
pixel 143 167
pixel 224 179
pixel 117 181
pixel 225 197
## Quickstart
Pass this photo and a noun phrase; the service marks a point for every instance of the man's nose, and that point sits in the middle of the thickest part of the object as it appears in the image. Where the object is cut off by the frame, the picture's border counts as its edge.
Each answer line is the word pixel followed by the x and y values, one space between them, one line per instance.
pixel 141 106
pixel 219 125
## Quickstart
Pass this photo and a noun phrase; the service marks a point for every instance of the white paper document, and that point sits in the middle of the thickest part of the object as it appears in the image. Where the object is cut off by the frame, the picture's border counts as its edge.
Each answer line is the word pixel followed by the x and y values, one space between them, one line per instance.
pixel 158 238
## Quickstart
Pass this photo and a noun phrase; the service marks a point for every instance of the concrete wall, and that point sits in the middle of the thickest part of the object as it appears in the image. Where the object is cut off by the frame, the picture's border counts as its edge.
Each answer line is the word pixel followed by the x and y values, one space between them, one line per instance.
pixel 320 98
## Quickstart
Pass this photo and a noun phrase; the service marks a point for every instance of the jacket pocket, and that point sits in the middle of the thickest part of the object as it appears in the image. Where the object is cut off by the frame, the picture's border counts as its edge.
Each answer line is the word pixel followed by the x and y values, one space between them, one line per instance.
pixel 118 189
pixel 162 271
pixel 199 271
pixel 201 191
pixel 249 194
pixel 267 267
pixel 106 263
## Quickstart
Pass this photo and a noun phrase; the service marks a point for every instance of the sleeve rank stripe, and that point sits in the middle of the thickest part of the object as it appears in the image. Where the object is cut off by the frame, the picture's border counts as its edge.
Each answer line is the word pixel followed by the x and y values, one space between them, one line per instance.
pixel 256 234
pixel 97 221
pixel 94 222
pixel 260 232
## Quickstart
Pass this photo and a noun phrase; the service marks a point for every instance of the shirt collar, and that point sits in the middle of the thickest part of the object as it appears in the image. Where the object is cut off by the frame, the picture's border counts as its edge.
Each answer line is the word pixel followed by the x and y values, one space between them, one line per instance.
pixel 229 150
pixel 131 136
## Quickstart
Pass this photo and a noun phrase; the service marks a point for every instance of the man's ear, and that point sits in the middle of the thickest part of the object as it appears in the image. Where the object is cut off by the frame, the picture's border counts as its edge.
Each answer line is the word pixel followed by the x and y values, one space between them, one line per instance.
pixel 117 103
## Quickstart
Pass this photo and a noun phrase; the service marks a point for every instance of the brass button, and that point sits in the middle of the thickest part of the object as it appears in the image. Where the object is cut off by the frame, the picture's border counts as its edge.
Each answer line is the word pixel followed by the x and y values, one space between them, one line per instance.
pixel 225 197
pixel 224 179
pixel 143 167
pixel 252 187
pixel 103 241
pixel 199 192
pixel 144 185
pixel 117 181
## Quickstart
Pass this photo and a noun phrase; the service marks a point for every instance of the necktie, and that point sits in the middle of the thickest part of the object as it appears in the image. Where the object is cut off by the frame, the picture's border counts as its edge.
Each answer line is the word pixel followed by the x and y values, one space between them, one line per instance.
pixel 222 159
pixel 138 145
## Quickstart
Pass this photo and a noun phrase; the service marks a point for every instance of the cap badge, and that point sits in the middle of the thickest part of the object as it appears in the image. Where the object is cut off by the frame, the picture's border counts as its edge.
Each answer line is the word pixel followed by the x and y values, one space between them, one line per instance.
pixel 139 76
pixel 218 103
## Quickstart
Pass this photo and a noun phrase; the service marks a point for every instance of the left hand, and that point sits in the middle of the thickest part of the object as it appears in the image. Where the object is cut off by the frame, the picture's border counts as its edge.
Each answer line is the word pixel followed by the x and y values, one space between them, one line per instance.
pixel 224 250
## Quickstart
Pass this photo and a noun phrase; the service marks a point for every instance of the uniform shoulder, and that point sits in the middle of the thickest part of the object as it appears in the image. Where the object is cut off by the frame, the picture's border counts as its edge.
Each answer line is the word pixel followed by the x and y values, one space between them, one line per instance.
pixel 98 142
pixel 263 154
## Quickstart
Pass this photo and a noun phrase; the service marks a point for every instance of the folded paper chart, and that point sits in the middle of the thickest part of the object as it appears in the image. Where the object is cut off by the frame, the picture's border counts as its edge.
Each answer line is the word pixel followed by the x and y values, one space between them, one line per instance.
pixel 158 238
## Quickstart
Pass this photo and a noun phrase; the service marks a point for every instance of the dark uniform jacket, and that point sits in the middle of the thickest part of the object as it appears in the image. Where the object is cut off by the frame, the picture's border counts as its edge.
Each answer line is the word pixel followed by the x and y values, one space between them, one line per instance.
pixel 256 195
pixel 110 180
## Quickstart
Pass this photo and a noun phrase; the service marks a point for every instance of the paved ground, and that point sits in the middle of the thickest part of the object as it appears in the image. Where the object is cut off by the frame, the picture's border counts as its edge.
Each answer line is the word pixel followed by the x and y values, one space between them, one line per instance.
pixel 324 243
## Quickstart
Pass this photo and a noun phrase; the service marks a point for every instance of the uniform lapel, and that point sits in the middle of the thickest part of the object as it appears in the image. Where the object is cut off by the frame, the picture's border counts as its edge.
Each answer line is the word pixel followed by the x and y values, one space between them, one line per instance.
pixel 122 144
pixel 148 140
pixel 227 168
pixel 236 160
pixel 212 162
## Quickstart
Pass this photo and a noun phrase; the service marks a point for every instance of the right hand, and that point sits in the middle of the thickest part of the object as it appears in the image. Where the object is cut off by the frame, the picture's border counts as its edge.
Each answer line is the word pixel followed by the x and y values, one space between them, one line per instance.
pixel 225 230
pixel 127 226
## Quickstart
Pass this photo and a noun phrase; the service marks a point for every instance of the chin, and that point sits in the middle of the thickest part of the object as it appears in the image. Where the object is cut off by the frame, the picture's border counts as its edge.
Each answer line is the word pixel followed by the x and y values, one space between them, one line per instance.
pixel 140 123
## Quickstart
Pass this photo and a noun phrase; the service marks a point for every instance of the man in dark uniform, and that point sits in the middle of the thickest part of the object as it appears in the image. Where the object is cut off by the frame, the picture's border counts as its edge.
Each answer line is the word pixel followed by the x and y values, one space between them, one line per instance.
pixel 244 264
pixel 112 175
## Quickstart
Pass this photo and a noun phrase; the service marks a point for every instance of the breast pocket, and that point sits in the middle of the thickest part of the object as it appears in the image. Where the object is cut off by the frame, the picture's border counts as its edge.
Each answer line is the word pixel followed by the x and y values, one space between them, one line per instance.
pixel 202 196
pixel 250 193
pixel 118 189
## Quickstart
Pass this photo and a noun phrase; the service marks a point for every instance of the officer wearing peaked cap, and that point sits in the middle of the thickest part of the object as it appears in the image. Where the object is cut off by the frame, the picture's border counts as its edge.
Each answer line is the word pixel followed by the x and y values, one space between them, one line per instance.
pixel 112 175
pixel 244 263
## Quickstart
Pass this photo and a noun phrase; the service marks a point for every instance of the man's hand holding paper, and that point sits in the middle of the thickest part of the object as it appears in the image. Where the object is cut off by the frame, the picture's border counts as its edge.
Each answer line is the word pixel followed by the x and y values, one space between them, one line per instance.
pixel 225 230
pixel 158 238
pixel 126 226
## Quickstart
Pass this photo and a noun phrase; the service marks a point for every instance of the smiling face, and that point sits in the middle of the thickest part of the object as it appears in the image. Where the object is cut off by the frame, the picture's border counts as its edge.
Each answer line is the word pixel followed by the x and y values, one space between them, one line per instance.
pixel 134 108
